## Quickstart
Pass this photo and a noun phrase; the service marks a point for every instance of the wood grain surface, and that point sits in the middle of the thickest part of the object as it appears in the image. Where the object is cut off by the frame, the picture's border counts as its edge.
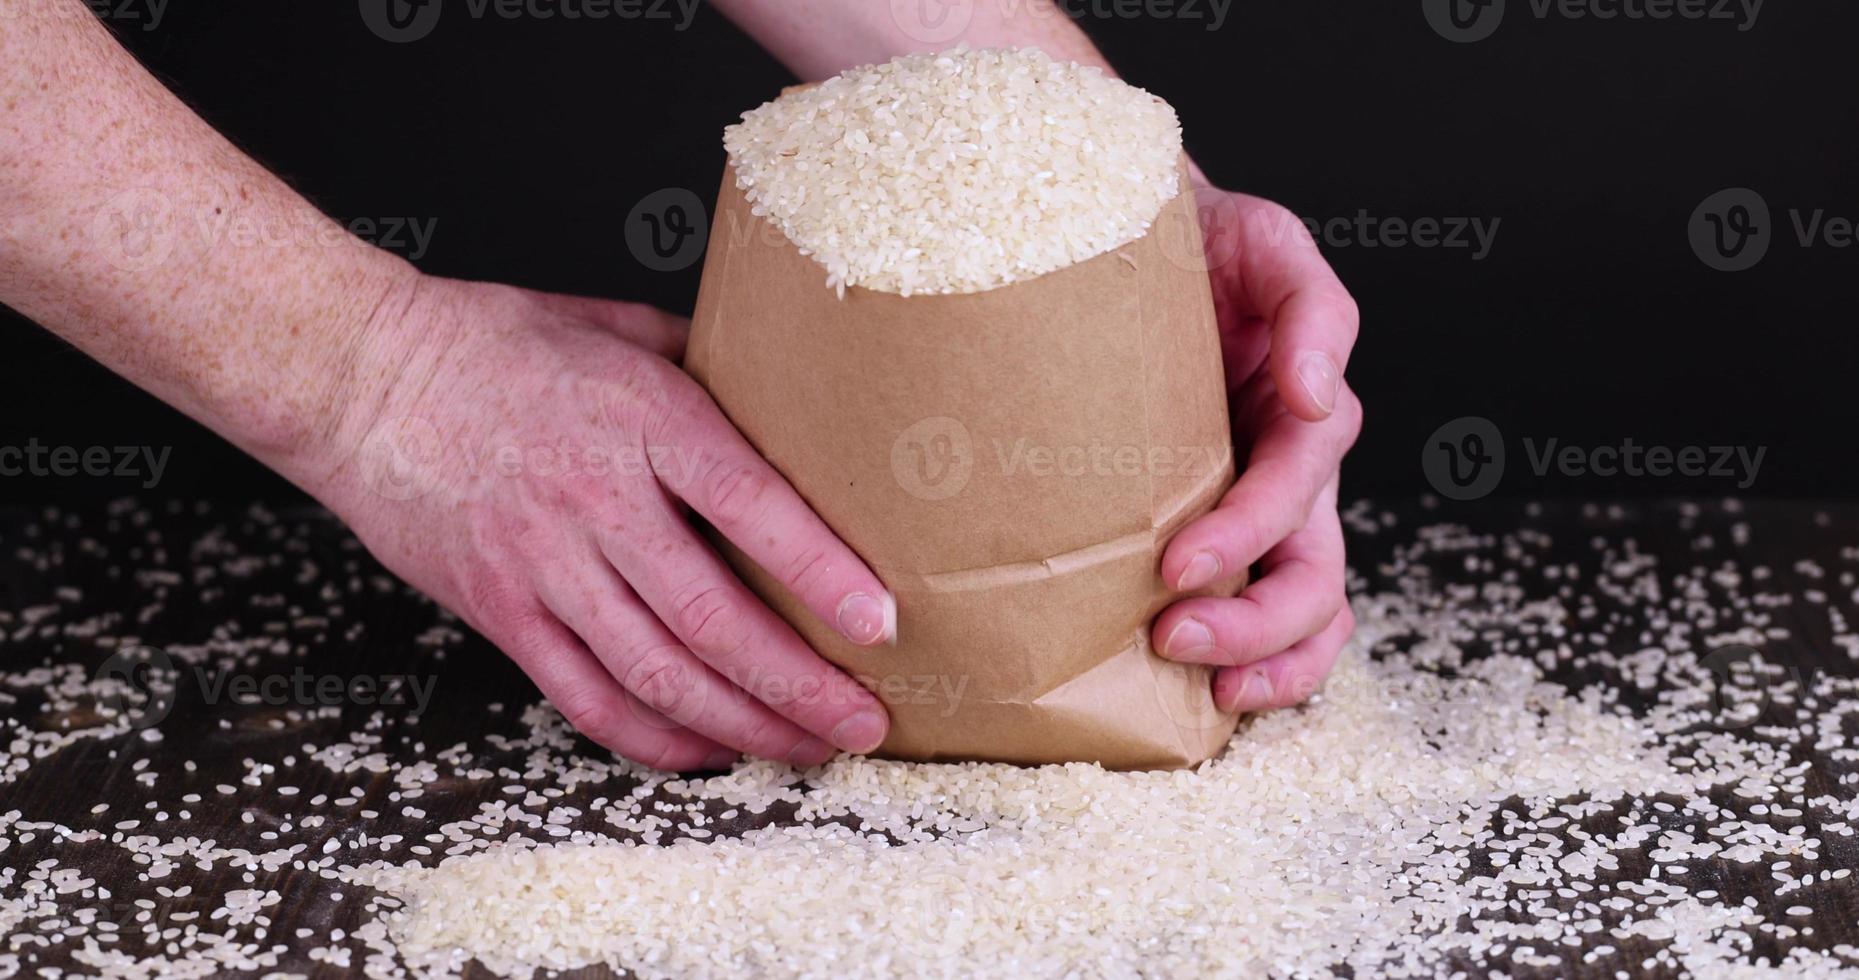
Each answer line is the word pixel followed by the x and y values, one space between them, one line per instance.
pixel 261 595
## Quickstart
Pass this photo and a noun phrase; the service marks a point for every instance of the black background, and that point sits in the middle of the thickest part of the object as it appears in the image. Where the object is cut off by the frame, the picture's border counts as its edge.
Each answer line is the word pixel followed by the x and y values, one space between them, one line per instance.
pixel 1591 141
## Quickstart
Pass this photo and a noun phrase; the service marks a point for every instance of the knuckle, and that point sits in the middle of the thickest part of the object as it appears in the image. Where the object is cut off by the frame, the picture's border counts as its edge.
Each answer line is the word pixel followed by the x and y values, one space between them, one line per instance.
pixel 1240 542
pixel 635 387
pixel 661 679
pixel 1251 641
pixel 806 569
pixel 758 734
pixel 680 400
pixel 491 597
pixel 1291 683
pixel 1349 312
pixel 707 618
pixel 737 492
pixel 554 493
pixel 1312 601
pixel 1332 608
pixel 594 718
pixel 651 679
pixel 1236 629
pixel 1334 586
pixel 1296 687
pixel 495 532
pixel 1274 217
pixel 1319 583
pixel 665 757
pixel 1349 410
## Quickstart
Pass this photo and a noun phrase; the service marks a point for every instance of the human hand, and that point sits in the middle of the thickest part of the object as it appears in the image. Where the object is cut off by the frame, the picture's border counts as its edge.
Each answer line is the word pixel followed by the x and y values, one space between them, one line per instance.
pixel 1286 329
pixel 389 395
pixel 526 459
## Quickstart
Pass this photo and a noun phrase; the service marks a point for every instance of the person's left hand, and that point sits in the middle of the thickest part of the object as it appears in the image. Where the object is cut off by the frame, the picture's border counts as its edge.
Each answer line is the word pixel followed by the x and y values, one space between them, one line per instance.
pixel 1286 328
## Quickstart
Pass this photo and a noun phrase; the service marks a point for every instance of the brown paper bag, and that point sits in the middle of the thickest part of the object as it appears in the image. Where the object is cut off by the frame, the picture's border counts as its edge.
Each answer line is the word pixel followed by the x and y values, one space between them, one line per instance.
pixel 1011 464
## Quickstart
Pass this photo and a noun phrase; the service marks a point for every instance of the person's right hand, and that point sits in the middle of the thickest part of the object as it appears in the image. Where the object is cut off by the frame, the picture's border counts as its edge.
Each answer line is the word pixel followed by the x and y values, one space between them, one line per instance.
pixel 526 459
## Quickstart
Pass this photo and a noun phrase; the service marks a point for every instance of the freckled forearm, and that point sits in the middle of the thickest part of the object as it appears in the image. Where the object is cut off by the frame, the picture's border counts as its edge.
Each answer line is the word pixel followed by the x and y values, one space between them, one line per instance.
pixel 820 38
pixel 134 231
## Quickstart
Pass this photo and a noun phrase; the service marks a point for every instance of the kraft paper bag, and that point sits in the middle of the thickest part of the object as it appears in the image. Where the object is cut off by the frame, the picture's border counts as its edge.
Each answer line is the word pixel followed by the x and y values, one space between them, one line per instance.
pixel 1011 463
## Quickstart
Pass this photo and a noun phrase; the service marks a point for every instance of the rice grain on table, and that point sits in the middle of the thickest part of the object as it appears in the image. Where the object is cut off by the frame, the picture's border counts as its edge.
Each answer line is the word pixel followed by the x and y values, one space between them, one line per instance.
pixel 958 172
pixel 1527 763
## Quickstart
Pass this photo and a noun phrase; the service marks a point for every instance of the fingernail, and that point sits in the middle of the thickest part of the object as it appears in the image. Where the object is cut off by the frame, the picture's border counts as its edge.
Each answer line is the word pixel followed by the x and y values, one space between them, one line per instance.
pixel 1319 376
pixel 1257 693
pixel 811 752
pixel 1226 696
pixel 720 759
pixel 860 733
pixel 1188 635
pixel 1200 573
pixel 866 619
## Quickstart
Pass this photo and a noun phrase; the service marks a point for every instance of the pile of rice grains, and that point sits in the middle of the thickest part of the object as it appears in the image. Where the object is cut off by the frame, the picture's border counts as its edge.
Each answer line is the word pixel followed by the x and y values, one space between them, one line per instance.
pixel 958 172
pixel 1528 760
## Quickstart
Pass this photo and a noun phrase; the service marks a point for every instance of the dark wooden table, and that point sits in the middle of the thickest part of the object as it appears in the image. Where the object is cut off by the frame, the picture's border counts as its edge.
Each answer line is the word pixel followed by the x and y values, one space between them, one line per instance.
pixel 290 595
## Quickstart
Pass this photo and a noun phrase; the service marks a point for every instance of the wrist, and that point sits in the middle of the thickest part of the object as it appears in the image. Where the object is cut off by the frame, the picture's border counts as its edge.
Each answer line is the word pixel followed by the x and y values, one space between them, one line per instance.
pixel 391 346
pixel 347 374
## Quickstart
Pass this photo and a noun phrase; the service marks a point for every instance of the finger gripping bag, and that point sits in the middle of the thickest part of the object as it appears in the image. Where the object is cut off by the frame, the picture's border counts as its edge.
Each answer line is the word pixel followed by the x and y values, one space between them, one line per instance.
pixel 958 302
